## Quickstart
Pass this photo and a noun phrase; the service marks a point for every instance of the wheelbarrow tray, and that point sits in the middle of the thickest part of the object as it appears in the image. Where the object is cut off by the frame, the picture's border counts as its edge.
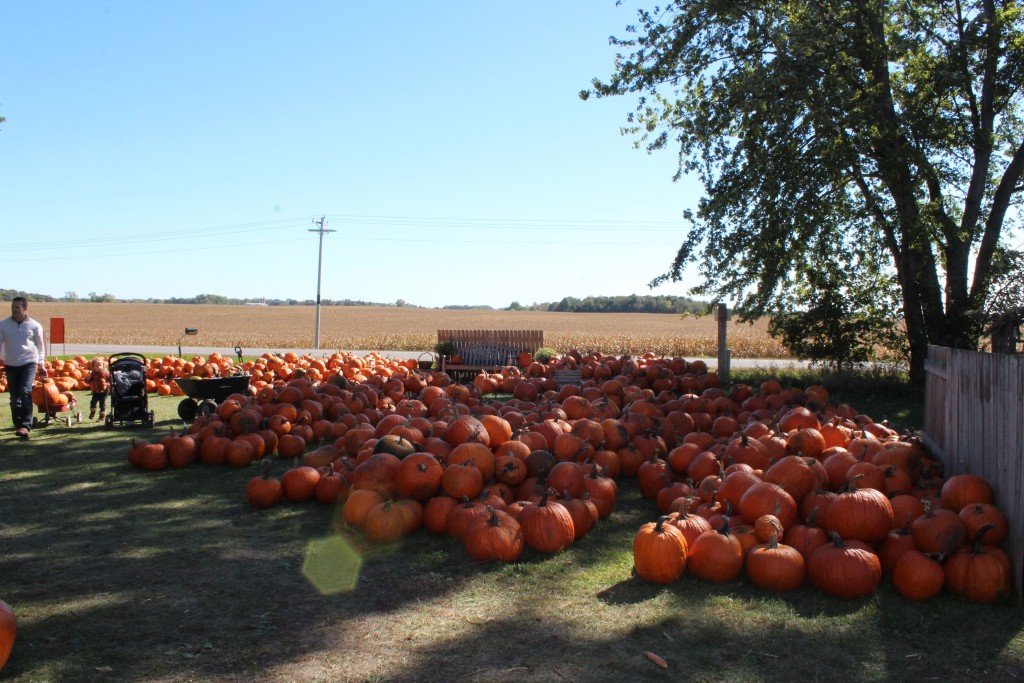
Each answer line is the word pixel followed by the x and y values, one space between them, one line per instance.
pixel 214 388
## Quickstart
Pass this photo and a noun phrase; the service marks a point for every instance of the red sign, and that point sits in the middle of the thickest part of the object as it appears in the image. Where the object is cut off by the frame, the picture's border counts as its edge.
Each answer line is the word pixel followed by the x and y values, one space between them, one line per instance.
pixel 56 330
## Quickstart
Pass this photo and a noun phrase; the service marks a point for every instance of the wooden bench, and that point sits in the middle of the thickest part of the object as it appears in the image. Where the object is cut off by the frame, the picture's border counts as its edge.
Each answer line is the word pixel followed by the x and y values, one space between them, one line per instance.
pixel 487 350
pixel 566 376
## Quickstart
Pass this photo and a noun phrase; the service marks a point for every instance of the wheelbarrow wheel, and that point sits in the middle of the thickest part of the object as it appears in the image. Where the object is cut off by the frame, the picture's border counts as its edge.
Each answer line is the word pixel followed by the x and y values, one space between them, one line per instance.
pixel 188 409
pixel 207 407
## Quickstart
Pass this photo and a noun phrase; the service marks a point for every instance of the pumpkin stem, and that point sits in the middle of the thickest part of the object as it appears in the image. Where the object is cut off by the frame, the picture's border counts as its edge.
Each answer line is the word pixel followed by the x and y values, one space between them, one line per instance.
pixel 836 539
pixel 979 539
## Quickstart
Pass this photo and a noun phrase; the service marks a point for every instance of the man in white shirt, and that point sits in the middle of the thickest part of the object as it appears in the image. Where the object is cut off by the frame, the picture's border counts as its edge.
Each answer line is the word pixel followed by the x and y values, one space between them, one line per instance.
pixel 21 340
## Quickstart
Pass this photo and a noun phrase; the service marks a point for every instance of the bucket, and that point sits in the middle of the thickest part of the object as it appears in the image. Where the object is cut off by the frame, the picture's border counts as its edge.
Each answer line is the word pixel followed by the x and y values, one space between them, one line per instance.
pixel 425 360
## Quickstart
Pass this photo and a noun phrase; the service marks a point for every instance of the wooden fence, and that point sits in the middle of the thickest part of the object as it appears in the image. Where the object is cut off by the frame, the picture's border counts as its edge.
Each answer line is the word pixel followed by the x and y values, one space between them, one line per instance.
pixel 974 422
pixel 515 340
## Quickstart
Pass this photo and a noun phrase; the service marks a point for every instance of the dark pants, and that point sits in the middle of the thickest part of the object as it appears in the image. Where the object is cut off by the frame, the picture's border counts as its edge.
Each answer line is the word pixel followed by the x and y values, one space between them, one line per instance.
pixel 19 384
pixel 100 400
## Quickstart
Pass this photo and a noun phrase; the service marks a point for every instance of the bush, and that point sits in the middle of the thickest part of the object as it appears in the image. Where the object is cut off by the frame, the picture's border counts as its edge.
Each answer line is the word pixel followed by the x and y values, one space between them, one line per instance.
pixel 544 354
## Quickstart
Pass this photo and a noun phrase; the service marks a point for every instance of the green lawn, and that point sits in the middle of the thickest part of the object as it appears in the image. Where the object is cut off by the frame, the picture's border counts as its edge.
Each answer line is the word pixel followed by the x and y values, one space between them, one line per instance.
pixel 117 574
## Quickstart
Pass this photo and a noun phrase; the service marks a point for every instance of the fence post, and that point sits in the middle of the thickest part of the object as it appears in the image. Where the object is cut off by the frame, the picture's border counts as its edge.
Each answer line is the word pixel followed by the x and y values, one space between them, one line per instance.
pixel 724 354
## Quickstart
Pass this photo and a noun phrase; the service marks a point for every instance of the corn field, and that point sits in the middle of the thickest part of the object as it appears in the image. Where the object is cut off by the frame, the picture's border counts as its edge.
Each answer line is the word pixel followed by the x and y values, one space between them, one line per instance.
pixel 396 329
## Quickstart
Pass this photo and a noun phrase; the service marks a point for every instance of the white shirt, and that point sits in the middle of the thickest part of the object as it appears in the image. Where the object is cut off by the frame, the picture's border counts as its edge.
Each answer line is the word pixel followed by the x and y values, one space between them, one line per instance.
pixel 22 344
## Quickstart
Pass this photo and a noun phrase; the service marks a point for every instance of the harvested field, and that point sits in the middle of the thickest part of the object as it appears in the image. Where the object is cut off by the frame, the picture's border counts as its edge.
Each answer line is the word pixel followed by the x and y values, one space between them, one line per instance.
pixel 397 329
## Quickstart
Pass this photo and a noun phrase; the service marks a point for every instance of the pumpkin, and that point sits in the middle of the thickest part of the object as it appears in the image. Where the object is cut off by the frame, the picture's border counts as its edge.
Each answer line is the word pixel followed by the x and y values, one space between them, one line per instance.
pixel 239 452
pixel 264 491
pixel 691 525
pixel 806 538
pixel 547 525
pixel 847 569
pixel 8 632
pixel 462 479
pixel 917 576
pixel 964 489
pixel 978 515
pixel 716 555
pixel 775 566
pixel 567 476
pixel 332 487
pixel 659 552
pixel 494 536
pixel 859 514
pixel 385 523
pixel 893 546
pixel 358 505
pixel 938 530
pixel 418 476
pixel 603 491
pixel 980 573
pixel 583 512
pixel 766 498
pixel 299 483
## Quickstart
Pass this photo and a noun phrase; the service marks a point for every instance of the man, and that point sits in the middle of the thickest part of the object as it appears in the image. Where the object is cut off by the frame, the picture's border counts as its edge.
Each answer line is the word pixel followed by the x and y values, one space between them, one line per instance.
pixel 21 339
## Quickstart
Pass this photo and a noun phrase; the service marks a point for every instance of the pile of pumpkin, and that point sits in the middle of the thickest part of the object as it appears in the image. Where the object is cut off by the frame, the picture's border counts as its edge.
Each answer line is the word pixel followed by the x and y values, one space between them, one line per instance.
pixel 404 450
pixel 838 504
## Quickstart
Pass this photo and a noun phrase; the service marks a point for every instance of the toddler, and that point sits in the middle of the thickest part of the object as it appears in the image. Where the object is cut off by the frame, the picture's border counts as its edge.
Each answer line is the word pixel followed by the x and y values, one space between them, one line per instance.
pixel 98 380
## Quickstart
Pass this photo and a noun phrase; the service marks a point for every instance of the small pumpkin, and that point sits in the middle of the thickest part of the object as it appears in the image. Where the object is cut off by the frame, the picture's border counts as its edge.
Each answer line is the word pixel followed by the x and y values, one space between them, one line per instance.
pixel 264 491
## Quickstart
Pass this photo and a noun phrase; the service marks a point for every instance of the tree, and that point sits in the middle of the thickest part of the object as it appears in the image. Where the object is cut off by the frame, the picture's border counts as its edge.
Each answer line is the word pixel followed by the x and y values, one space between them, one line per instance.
pixel 889 128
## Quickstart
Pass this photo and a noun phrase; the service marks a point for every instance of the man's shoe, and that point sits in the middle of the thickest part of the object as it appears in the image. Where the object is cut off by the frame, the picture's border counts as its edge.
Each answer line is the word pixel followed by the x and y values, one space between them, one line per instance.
pixel 22 433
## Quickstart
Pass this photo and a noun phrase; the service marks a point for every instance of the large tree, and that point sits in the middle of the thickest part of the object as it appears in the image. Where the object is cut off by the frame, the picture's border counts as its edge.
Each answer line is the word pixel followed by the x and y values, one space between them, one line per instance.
pixel 877 139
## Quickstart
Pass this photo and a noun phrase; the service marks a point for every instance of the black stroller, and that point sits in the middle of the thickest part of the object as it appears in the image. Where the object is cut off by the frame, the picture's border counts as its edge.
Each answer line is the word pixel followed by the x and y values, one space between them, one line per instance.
pixel 129 403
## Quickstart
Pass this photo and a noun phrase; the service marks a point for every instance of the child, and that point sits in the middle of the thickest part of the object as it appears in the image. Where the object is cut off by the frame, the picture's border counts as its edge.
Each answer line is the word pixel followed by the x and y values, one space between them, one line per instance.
pixel 98 380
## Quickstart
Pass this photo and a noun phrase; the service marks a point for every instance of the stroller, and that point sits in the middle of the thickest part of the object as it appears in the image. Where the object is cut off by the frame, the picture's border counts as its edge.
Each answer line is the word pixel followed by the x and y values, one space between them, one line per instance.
pixel 129 403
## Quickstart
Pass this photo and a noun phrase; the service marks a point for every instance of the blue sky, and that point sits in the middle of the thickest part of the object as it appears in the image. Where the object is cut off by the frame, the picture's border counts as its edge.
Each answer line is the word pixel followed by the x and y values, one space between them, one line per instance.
pixel 158 149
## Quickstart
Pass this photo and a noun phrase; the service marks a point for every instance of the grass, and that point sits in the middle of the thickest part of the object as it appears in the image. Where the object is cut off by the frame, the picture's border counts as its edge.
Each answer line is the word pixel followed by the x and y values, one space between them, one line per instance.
pixel 117 574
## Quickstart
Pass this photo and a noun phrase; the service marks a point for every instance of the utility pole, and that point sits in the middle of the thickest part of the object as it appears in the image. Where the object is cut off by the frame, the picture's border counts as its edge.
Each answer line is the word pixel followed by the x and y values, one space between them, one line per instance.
pixel 321 225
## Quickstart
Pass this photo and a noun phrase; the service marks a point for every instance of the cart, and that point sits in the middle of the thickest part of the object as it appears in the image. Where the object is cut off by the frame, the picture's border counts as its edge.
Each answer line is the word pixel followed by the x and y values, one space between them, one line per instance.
pixel 56 412
pixel 202 396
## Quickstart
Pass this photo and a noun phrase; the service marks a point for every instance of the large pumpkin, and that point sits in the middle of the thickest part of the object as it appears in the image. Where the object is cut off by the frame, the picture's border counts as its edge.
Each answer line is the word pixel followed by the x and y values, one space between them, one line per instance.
pixel 659 552
pixel 847 569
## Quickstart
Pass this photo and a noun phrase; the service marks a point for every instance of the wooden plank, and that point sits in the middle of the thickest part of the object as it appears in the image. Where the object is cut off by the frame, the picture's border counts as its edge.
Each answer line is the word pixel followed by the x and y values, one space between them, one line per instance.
pixel 974 421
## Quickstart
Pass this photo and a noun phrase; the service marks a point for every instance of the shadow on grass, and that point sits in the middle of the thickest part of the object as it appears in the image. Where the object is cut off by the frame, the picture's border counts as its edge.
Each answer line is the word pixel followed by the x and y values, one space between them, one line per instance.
pixel 121 574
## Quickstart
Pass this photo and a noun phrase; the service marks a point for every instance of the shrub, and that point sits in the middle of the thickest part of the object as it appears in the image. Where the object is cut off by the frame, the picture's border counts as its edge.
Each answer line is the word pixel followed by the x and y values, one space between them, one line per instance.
pixel 544 354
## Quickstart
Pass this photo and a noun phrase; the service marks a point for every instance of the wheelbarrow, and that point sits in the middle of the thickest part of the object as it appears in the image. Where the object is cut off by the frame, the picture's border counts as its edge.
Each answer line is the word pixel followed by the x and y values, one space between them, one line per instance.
pixel 202 396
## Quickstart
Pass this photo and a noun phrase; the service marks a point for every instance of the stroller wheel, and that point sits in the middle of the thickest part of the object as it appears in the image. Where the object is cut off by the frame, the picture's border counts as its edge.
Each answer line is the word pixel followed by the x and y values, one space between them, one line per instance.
pixel 35 422
pixel 151 420
pixel 108 423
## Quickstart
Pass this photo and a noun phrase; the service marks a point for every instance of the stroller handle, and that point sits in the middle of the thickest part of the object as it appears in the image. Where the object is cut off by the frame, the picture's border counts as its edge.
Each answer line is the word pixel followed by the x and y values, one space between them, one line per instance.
pixel 128 354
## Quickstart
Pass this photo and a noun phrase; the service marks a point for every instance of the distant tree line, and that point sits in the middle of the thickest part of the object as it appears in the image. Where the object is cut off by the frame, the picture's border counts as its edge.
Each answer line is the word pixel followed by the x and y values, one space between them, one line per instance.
pixel 9 294
pixel 592 304
pixel 632 303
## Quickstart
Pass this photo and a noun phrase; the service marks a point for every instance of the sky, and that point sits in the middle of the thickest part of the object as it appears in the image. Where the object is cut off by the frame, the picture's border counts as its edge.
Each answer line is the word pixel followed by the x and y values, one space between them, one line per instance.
pixel 169 149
